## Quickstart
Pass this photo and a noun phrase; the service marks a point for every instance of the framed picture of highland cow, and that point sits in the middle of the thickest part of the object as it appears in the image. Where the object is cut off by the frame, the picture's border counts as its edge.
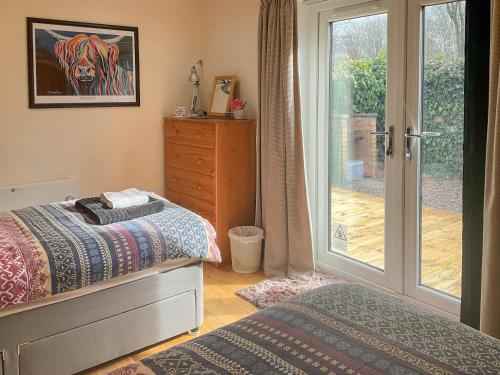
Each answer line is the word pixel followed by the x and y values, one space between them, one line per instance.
pixel 76 64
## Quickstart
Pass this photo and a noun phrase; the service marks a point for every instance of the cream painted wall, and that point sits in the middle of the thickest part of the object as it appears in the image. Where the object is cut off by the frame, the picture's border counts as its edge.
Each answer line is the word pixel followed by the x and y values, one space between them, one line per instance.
pixel 229 46
pixel 115 148
pixel 103 148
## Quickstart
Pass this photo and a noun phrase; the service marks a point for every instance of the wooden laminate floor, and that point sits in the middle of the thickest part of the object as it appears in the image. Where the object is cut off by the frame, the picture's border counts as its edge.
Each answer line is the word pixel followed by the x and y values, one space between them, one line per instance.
pixel 222 307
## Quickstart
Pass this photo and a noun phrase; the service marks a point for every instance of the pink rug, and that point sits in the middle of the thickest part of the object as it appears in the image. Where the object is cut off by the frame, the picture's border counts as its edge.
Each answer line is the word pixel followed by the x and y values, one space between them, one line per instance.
pixel 271 291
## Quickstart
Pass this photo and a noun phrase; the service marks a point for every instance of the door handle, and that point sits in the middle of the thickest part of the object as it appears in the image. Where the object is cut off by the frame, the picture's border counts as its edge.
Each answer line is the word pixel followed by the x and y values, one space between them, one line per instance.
pixel 409 136
pixel 423 135
pixel 390 133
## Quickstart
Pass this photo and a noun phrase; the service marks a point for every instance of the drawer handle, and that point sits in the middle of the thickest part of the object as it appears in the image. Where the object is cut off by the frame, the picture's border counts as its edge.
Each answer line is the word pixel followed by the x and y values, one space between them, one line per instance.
pixel 176 179
pixel 199 161
pixel 200 135
pixel 199 187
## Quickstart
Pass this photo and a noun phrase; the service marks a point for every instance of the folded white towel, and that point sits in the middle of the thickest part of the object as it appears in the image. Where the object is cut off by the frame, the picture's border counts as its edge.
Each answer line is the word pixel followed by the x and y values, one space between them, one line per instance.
pixel 125 198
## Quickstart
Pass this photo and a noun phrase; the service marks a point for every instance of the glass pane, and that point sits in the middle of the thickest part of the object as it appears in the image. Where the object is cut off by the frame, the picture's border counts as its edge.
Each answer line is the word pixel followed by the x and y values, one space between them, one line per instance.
pixel 358 75
pixel 441 177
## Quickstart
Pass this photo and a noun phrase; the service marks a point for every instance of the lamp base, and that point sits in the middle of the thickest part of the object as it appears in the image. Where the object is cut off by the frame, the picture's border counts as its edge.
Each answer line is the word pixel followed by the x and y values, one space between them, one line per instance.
pixel 197 114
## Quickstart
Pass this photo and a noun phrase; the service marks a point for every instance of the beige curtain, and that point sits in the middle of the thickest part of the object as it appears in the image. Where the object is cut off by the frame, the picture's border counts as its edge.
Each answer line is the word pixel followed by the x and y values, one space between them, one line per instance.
pixel 490 283
pixel 282 208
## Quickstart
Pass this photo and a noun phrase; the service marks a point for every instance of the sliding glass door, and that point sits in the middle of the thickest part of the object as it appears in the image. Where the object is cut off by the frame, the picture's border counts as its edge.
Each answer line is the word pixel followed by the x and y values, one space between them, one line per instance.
pixel 390 142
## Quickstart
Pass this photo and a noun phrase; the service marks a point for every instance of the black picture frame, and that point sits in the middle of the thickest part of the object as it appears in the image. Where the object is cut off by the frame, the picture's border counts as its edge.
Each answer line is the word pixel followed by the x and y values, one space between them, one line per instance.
pixel 52 78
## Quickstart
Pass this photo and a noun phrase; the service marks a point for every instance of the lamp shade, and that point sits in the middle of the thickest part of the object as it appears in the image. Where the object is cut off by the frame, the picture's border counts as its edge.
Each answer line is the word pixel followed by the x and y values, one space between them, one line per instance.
pixel 194 77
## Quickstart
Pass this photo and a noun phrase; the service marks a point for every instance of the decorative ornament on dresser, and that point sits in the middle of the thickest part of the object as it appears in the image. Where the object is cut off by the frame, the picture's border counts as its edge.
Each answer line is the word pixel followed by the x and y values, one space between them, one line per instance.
pixel 181 112
pixel 76 64
pixel 238 108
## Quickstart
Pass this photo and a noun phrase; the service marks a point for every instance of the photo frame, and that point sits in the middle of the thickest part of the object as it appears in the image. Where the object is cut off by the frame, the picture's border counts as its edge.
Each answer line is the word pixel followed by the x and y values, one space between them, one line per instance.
pixel 77 64
pixel 221 95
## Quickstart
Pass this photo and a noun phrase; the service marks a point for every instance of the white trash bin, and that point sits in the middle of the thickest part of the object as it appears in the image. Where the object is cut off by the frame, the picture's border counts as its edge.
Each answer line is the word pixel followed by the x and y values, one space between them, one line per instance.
pixel 246 248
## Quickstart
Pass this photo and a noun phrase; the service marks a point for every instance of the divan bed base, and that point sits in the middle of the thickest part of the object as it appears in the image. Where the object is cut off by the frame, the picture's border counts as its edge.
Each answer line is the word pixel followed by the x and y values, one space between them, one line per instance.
pixel 82 332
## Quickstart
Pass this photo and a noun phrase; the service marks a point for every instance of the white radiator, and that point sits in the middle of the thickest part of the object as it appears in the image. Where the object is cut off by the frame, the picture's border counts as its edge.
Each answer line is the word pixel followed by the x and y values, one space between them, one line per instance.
pixel 13 197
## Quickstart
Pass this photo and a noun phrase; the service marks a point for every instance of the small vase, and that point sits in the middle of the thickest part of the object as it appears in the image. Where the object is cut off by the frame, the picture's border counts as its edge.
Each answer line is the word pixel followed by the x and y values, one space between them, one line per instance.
pixel 239 114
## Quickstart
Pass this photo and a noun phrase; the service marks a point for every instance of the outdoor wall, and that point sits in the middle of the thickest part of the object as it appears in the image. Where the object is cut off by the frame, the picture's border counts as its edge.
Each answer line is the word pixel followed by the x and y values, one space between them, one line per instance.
pixel 365 145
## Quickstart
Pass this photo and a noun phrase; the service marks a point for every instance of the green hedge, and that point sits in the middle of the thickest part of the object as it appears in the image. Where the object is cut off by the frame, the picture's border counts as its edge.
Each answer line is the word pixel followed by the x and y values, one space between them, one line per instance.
pixel 443 111
pixel 442 108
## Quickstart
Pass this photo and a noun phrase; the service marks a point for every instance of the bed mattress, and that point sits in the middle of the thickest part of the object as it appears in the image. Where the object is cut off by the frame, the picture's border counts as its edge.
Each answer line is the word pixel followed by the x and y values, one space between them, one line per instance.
pixel 52 249
pixel 337 329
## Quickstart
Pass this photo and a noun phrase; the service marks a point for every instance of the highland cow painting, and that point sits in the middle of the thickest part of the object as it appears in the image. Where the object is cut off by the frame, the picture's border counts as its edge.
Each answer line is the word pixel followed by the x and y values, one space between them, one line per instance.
pixel 74 64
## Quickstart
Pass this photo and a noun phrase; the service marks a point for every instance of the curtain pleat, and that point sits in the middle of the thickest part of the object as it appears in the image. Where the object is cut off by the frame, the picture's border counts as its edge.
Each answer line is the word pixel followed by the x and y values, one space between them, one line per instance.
pixel 282 207
pixel 490 281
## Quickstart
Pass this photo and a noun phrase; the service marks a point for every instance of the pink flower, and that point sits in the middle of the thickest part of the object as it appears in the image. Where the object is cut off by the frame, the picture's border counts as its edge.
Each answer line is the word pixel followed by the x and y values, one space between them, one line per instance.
pixel 237 104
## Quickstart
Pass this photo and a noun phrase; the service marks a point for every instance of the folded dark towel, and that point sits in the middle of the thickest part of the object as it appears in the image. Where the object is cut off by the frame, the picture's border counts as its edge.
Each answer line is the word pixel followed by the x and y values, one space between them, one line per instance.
pixel 101 214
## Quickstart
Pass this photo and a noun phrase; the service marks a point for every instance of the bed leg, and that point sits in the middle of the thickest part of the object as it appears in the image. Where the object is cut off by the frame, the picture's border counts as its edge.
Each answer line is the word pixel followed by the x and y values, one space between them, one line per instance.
pixel 194 332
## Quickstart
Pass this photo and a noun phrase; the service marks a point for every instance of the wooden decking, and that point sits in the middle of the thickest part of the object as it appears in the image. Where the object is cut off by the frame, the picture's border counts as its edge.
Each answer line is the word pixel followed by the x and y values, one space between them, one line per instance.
pixel 363 214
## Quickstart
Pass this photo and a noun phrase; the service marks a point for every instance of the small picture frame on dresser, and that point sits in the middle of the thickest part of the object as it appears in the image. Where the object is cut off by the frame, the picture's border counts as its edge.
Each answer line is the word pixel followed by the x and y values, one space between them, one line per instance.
pixel 221 95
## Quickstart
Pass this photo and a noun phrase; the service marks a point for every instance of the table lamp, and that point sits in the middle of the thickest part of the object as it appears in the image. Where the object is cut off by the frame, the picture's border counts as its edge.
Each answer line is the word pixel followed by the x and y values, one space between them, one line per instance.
pixel 194 77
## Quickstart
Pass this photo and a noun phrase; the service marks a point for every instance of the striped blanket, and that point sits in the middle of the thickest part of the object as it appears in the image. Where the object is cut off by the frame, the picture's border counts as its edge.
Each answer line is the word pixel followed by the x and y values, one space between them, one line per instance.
pixel 337 329
pixel 51 249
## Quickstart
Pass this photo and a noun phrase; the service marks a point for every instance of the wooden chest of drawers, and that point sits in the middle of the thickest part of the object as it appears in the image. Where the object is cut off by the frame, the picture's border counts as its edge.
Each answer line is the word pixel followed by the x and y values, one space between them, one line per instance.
pixel 210 170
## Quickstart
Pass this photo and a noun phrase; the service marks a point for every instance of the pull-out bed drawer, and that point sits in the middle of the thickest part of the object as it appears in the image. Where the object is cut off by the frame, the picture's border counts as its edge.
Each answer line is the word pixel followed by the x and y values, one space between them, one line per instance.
pixel 68 336
pixel 75 350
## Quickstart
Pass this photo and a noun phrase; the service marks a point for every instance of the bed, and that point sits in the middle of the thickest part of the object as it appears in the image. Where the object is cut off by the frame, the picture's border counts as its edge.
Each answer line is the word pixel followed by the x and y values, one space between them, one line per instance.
pixel 337 329
pixel 74 294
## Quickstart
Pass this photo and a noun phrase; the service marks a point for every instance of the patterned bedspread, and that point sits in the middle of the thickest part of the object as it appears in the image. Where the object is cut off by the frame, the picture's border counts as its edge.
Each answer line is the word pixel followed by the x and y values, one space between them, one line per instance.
pixel 51 249
pixel 337 329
